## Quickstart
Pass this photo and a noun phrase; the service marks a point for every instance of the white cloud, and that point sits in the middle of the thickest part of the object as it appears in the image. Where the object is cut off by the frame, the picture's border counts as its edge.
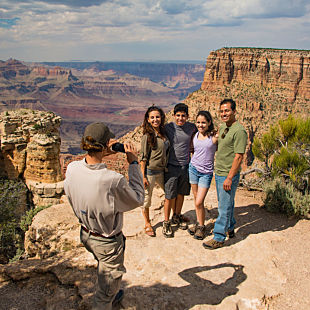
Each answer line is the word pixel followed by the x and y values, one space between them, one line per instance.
pixel 69 24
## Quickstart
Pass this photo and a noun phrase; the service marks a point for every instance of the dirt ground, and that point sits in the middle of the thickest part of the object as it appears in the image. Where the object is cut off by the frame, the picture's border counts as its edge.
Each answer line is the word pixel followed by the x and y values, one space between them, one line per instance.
pixel 266 266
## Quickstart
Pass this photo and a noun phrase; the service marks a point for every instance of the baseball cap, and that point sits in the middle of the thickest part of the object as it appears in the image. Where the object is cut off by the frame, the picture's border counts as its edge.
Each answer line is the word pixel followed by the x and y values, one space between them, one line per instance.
pixel 98 133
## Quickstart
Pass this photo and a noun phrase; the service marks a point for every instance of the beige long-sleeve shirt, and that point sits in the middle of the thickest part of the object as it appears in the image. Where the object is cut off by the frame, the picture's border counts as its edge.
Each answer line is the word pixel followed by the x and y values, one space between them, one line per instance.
pixel 99 196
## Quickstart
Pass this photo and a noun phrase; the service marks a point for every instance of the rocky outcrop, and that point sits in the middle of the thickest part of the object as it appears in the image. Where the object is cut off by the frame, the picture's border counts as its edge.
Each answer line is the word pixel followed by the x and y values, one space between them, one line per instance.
pixel 266 84
pixel 285 69
pixel 13 68
pixel 51 72
pixel 29 150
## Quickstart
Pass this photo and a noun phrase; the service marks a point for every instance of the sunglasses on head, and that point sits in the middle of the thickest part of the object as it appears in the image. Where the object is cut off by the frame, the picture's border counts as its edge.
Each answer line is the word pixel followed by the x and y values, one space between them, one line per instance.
pixel 225 132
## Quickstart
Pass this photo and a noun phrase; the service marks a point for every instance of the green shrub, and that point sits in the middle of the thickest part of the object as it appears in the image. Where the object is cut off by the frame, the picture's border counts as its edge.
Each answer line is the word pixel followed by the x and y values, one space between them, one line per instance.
pixel 283 197
pixel 10 233
pixel 26 220
pixel 12 230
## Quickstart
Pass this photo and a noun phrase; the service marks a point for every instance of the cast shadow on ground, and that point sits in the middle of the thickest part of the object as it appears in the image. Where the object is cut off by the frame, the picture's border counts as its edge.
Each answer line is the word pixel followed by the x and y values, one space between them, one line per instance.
pixel 199 291
pixel 251 219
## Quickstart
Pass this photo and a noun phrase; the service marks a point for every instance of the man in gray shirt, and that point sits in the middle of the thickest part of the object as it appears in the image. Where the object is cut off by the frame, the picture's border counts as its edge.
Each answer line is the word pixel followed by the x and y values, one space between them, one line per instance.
pixel 99 197
pixel 177 185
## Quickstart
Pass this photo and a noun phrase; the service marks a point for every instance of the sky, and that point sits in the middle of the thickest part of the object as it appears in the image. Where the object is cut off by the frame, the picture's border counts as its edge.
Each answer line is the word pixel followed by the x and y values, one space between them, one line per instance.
pixel 147 30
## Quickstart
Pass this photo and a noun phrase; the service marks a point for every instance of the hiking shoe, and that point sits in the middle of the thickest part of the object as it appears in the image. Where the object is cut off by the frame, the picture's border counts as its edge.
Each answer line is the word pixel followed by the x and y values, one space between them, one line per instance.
pixel 118 298
pixel 212 244
pixel 167 230
pixel 175 221
pixel 230 234
pixel 200 232
pixel 182 222
pixel 191 230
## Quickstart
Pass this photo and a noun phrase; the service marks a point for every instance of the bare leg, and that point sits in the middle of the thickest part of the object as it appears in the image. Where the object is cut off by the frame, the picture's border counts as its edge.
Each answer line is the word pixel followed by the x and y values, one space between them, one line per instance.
pixel 179 204
pixel 199 204
pixel 146 215
pixel 169 204
pixel 194 190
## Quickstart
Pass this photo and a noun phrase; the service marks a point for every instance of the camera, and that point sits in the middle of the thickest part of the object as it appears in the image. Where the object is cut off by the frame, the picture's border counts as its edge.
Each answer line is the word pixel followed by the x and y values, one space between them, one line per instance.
pixel 118 147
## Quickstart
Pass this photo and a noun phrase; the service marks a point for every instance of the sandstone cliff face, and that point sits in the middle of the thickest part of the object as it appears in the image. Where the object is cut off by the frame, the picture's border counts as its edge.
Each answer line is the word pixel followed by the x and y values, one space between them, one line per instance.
pixel 266 84
pixel 29 150
pixel 268 67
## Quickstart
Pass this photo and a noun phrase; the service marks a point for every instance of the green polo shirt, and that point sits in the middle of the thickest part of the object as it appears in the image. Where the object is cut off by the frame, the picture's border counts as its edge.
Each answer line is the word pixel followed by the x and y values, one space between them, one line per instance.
pixel 234 142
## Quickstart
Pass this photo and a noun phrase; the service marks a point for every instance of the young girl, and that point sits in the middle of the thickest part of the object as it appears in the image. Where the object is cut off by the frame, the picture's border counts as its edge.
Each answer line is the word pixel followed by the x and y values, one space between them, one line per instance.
pixel 201 168
pixel 154 149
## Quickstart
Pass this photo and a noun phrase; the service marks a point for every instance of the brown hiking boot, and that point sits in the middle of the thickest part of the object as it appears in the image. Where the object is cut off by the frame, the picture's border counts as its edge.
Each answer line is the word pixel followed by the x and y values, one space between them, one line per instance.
pixel 191 230
pixel 200 232
pixel 212 244
pixel 230 234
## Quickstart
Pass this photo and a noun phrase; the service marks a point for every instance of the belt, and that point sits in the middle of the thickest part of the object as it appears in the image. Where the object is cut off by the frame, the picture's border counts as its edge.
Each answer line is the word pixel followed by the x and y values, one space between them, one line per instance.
pixel 98 235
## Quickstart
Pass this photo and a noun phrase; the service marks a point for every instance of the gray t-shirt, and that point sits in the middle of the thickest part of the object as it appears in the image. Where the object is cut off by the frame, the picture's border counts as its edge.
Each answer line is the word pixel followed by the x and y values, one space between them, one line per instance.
pixel 180 139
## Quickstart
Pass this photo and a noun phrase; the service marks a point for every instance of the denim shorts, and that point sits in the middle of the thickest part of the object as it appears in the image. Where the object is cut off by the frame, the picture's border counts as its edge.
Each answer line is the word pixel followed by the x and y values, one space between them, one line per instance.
pixel 196 177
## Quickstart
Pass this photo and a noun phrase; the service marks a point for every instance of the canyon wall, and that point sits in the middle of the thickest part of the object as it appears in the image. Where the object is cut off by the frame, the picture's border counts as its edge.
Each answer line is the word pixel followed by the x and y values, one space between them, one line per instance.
pixel 29 150
pixel 267 85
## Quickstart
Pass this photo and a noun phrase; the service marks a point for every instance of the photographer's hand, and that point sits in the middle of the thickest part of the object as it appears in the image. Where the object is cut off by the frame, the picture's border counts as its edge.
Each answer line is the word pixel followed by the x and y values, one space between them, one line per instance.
pixel 109 149
pixel 131 152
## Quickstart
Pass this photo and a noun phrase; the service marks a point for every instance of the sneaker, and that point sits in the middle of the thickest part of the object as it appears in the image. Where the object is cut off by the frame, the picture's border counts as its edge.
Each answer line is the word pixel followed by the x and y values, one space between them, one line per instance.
pixel 191 230
pixel 212 244
pixel 118 298
pixel 167 230
pixel 230 234
pixel 200 232
pixel 182 222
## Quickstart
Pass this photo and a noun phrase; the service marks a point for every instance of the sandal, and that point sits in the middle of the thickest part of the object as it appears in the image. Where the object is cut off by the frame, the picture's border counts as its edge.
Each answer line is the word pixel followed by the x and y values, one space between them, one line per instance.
pixel 148 229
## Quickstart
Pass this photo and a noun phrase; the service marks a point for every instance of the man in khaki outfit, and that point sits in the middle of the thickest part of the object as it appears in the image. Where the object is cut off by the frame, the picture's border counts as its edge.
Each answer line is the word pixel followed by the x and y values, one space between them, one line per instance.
pixel 99 197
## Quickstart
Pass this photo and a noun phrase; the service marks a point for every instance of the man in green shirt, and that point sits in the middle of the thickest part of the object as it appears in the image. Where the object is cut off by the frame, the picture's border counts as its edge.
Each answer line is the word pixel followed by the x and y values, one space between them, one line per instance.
pixel 231 148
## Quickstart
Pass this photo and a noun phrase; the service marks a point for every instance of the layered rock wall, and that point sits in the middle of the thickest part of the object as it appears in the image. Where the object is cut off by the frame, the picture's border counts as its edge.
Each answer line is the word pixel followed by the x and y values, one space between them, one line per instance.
pixel 267 85
pixel 29 150
pixel 268 67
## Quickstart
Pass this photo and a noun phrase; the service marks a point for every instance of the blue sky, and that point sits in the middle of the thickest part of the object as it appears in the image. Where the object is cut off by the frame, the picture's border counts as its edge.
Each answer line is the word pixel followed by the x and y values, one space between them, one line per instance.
pixel 147 30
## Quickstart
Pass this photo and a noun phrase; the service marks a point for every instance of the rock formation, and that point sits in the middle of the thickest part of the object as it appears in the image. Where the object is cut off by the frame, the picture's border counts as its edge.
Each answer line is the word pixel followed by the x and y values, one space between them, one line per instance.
pixel 29 150
pixel 267 85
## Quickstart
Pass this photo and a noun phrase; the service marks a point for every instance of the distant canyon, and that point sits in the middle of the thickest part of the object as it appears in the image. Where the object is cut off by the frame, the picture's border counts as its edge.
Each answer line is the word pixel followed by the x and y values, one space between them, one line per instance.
pixel 83 92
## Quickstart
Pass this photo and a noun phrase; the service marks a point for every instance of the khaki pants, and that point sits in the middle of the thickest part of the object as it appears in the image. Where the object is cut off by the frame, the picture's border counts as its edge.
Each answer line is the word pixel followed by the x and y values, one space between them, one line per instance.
pixel 153 179
pixel 109 252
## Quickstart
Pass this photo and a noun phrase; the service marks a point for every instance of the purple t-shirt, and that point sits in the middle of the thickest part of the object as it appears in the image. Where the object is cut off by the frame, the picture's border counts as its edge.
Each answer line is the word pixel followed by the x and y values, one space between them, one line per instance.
pixel 203 158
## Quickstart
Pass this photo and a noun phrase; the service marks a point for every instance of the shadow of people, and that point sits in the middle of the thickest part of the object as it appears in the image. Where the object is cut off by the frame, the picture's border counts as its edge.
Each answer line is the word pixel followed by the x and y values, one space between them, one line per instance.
pixel 251 219
pixel 200 291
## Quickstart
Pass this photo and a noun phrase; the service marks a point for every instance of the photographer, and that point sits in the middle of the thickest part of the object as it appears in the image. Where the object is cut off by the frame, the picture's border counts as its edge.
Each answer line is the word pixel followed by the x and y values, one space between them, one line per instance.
pixel 99 197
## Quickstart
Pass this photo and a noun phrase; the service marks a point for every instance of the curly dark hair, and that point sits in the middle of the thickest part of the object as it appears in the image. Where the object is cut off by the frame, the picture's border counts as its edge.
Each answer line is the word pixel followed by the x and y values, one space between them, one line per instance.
pixel 90 145
pixel 149 130
pixel 208 117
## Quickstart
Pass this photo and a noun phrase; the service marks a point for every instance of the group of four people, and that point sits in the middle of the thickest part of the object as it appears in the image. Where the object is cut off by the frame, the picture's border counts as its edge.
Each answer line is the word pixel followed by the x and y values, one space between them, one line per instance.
pixel 166 161
pixel 99 196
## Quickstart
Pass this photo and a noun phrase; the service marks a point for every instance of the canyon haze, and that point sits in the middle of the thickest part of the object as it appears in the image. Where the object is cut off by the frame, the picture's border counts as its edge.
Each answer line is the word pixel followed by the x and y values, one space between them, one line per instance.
pixel 117 93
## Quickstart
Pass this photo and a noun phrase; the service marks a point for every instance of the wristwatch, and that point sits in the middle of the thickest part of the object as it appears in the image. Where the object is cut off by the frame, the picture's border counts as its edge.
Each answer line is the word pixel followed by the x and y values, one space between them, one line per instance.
pixel 134 162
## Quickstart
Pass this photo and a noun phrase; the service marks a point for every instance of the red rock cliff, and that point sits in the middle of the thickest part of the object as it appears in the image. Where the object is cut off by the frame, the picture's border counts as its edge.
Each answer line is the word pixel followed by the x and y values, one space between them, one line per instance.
pixel 267 85
pixel 268 67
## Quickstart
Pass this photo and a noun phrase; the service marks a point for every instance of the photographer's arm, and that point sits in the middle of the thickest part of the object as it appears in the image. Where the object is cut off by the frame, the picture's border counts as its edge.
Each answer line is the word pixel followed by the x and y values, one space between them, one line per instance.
pixel 130 195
